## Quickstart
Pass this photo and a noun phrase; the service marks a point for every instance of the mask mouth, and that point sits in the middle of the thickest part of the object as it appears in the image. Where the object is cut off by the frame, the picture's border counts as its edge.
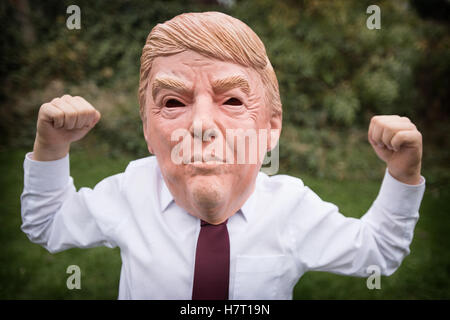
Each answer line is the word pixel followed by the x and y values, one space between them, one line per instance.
pixel 206 159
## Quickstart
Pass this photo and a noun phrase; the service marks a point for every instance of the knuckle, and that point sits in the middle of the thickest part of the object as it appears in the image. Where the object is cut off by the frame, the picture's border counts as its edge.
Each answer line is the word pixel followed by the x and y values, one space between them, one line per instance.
pixel 70 122
pixel 82 112
pixel 44 106
pixel 88 112
pixel 85 114
pixel 405 118
pixel 392 117
pixel 90 116
pixel 77 99
pixel 71 114
pixel 404 133
pixel 59 113
pixel 44 109
pixel 388 131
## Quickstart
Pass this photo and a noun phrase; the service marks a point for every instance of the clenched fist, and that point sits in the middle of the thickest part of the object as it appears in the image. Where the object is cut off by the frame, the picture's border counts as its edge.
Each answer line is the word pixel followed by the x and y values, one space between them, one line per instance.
pixel 61 122
pixel 398 143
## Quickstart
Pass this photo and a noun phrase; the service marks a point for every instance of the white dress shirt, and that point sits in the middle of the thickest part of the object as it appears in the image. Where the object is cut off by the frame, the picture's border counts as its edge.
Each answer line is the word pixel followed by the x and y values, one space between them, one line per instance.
pixel 282 231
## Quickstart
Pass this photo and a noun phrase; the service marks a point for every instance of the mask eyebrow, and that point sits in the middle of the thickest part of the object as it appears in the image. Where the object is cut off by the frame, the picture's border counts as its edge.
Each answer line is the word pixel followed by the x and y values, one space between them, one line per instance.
pixel 170 84
pixel 228 83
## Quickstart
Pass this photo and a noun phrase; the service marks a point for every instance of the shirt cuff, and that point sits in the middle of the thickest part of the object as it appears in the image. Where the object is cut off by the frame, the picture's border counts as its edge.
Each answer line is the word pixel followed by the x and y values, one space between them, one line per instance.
pixel 46 175
pixel 398 197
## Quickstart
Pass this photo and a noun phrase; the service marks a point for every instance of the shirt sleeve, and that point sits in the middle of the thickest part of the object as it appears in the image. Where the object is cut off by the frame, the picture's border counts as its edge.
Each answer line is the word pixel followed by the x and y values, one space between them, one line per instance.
pixel 334 243
pixel 58 217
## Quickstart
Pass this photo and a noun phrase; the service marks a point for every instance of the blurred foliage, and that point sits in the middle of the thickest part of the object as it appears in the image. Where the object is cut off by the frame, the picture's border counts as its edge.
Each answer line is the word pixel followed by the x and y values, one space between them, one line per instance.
pixel 334 73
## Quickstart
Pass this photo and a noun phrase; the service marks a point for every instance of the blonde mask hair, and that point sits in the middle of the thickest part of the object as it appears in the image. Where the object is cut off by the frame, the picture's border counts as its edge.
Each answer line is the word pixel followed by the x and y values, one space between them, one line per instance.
pixel 215 35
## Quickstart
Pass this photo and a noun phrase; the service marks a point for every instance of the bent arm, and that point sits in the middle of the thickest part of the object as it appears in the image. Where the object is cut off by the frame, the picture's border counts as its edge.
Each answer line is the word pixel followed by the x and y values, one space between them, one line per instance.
pixel 58 217
pixel 348 246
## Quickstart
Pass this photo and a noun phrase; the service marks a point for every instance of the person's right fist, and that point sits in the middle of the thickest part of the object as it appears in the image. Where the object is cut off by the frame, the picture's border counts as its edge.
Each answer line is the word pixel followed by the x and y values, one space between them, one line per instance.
pixel 61 122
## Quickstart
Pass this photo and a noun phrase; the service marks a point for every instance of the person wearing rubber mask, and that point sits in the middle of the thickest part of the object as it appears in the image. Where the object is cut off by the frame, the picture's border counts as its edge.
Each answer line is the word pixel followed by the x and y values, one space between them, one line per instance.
pixel 198 219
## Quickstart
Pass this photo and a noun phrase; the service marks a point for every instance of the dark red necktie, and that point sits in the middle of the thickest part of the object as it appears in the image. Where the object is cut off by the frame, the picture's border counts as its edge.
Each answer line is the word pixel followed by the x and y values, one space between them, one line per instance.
pixel 212 263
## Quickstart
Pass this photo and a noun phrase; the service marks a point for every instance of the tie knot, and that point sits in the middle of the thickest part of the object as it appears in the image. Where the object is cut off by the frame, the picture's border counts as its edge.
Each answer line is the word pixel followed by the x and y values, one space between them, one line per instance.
pixel 204 223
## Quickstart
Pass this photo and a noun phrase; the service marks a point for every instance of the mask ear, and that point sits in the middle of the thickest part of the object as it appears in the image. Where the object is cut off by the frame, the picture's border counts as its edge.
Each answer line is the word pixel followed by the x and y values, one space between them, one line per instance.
pixel 275 126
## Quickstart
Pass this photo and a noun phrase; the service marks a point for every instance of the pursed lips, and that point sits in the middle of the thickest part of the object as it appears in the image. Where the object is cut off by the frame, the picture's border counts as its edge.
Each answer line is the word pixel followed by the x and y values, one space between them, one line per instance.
pixel 208 159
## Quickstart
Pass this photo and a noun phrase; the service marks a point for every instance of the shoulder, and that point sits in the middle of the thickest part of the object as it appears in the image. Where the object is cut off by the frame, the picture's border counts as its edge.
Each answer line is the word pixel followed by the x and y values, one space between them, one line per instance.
pixel 281 190
pixel 140 164
pixel 291 198
pixel 141 169
pixel 279 183
pixel 144 166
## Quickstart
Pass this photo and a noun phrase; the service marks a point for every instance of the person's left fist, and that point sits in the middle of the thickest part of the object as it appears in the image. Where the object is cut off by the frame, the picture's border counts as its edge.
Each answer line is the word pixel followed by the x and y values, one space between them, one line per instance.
pixel 397 142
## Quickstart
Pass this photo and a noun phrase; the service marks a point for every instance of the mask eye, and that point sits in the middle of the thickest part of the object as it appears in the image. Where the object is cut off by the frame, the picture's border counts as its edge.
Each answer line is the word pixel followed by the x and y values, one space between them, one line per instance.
pixel 173 103
pixel 233 102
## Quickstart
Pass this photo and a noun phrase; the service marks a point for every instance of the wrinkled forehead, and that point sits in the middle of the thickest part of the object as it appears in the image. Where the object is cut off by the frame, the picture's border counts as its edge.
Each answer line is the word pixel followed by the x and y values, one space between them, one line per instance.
pixel 188 66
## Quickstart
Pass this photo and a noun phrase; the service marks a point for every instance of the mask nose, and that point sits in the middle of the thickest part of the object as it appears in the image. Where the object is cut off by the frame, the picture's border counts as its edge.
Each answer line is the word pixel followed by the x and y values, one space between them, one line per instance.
pixel 203 128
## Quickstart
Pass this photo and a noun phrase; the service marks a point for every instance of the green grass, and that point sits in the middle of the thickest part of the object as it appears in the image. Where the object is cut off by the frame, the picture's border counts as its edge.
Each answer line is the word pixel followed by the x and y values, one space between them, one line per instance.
pixel 28 271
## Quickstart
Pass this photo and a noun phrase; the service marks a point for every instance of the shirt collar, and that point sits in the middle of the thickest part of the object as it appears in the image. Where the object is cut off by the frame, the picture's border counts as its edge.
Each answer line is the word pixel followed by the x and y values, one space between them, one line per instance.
pixel 247 208
pixel 165 196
